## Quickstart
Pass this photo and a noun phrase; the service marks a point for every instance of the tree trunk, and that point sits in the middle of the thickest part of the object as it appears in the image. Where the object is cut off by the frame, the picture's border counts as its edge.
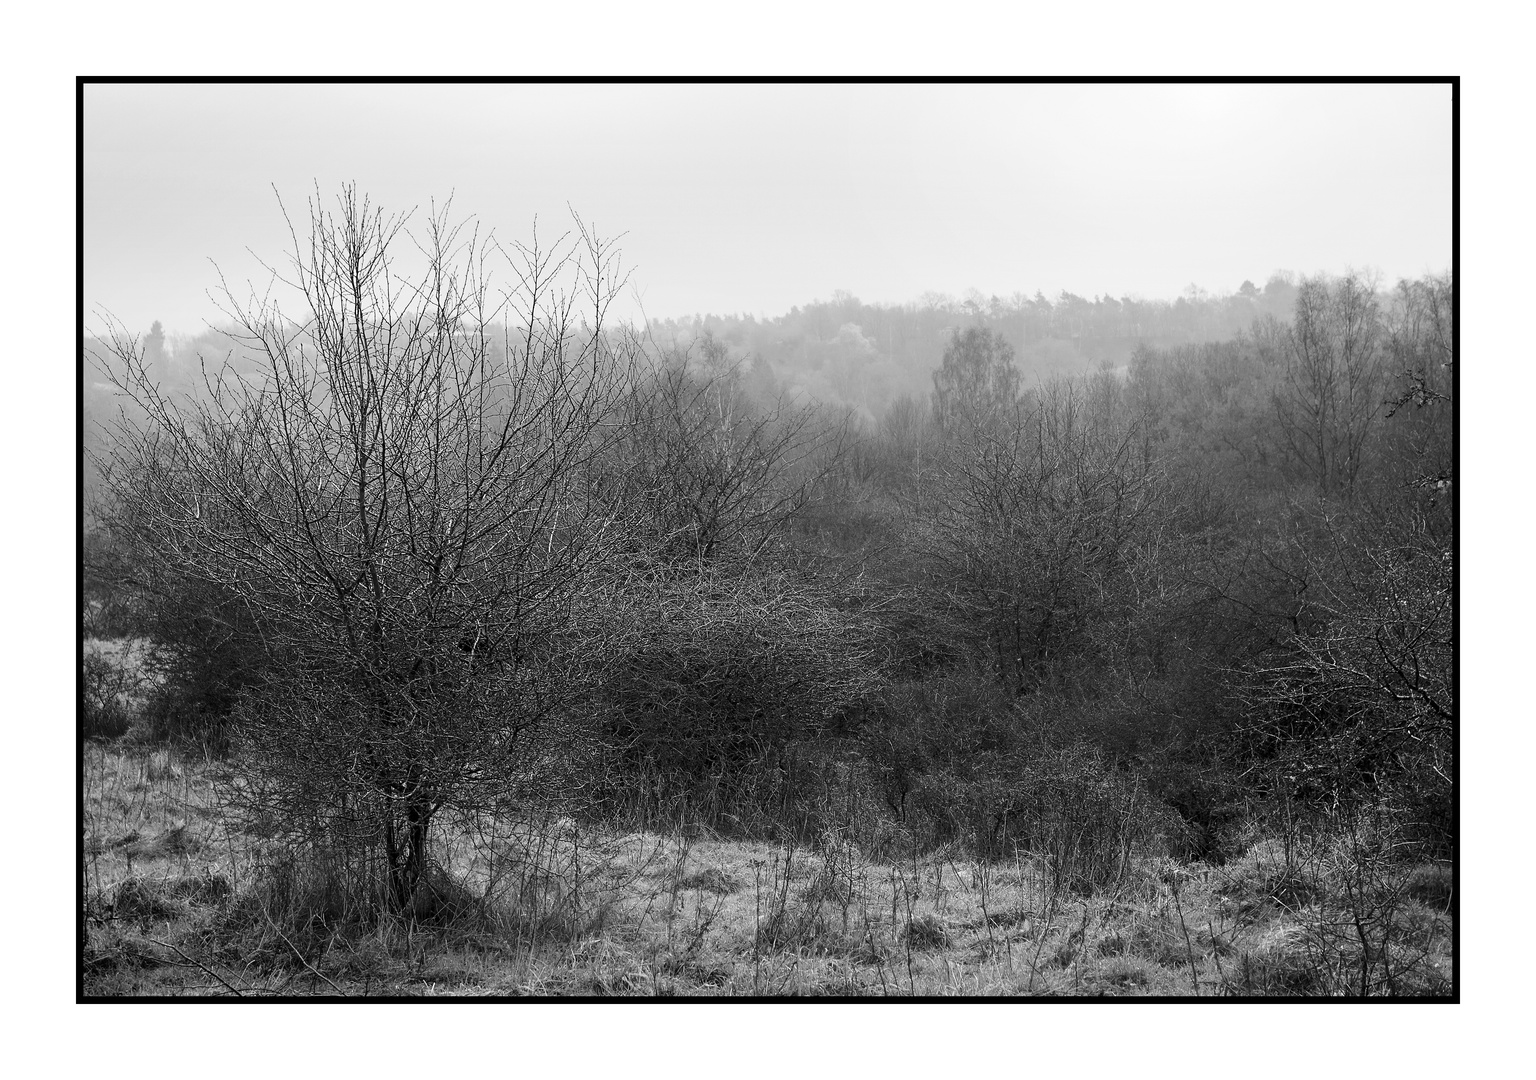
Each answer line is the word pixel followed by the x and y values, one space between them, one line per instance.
pixel 407 853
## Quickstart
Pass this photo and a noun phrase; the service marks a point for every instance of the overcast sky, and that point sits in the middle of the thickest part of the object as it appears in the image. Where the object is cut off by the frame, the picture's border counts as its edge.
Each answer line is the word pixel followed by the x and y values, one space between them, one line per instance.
pixel 755 198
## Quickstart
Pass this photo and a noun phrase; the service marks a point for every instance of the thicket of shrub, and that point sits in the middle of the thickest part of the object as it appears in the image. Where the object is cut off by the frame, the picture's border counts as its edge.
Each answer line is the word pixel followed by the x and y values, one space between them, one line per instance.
pixel 1084 622
pixel 106 687
pixel 960 759
pixel 717 683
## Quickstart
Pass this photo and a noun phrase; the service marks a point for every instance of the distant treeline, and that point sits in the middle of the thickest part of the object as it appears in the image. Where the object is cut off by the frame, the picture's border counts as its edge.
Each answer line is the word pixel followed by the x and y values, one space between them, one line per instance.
pixel 844 351
pixel 865 356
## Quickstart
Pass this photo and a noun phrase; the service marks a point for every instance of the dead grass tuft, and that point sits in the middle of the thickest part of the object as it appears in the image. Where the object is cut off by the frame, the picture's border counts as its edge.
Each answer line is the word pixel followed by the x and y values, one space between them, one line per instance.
pixel 926 932
pixel 711 879
pixel 1432 884
pixel 146 899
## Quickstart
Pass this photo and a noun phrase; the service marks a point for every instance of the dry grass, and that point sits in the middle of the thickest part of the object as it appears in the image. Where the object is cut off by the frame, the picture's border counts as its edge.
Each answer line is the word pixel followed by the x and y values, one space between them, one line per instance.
pixel 179 902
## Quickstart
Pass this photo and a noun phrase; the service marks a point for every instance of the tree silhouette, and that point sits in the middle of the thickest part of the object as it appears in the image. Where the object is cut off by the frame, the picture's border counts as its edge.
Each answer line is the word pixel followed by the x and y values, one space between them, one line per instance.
pixel 976 384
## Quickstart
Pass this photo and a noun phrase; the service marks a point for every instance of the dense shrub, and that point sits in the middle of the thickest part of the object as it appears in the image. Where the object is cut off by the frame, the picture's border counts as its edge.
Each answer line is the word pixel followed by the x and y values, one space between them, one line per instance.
pixel 717 679
pixel 106 686
pixel 207 658
pixel 1354 706
pixel 960 759
pixel 203 655
pixel 943 749
pixel 1091 820
pixel 110 605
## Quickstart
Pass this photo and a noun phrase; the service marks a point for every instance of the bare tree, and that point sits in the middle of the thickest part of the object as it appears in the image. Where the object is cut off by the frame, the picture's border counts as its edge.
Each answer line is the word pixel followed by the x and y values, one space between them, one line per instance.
pixel 1331 392
pixel 1422 333
pixel 395 487
pixel 1421 329
pixel 709 472
pixel 1042 517
pixel 976 384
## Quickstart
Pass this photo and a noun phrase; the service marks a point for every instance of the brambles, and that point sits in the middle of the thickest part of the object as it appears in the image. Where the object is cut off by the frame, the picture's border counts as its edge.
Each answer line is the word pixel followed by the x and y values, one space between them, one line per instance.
pixel 719 676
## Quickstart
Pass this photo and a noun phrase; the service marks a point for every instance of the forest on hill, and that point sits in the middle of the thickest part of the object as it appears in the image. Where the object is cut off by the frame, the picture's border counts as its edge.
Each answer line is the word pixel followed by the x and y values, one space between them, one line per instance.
pixel 1083 583
pixel 865 356
pixel 848 355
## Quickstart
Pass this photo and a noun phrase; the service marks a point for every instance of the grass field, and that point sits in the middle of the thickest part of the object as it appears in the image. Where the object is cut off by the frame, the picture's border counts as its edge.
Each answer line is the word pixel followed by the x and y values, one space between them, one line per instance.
pixel 180 900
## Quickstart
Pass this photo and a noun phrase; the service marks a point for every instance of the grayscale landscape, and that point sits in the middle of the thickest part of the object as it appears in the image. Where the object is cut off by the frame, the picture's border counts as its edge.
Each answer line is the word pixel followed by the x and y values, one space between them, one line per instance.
pixel 765 540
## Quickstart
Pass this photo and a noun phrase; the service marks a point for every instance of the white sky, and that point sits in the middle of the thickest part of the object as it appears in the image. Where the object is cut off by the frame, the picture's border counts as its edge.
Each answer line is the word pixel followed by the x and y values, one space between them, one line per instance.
pixel 758 197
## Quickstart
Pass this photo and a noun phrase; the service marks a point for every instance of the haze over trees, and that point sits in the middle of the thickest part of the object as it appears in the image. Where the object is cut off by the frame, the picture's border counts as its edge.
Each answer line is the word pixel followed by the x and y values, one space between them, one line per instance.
pixel 446 554
pixel 865 356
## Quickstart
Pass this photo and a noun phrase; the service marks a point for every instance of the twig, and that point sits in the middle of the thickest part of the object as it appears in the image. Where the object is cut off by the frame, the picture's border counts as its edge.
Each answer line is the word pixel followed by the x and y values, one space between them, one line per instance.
pixel 1189 949
pixel 200 966
pixel 1045 926
pixel 313 971
pixel 1081 934
pixel 1216 951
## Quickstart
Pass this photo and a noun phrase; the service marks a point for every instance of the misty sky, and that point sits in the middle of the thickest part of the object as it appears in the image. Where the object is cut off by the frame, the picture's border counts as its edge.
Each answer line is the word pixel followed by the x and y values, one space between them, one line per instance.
pixel 756 198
